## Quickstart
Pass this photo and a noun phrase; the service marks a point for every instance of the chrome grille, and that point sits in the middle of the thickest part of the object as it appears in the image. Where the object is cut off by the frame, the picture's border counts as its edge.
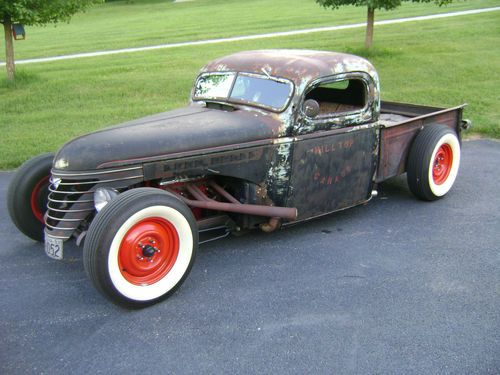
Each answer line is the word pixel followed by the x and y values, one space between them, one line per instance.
pixel 71 200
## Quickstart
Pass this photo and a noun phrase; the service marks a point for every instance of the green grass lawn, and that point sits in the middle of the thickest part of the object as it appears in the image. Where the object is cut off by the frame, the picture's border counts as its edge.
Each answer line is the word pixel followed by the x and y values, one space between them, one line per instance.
pixel 134 23
pixel 442 62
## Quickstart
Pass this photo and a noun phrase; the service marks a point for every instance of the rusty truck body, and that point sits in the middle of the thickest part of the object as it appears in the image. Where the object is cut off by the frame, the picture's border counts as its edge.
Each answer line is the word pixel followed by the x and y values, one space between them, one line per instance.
pixel 269 139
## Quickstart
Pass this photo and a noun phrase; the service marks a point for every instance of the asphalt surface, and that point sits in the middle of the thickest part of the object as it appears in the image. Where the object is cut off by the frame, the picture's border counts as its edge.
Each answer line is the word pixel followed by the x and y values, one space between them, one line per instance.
pixel 397 286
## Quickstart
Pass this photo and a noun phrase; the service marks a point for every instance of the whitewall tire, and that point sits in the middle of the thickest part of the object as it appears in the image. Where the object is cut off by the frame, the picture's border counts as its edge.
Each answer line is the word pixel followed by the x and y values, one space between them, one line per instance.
pixel 433 162
pixel 141 246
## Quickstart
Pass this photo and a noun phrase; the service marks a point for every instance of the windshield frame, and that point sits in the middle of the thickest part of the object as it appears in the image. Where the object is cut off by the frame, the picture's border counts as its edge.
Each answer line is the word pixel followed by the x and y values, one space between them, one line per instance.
pixel 230 100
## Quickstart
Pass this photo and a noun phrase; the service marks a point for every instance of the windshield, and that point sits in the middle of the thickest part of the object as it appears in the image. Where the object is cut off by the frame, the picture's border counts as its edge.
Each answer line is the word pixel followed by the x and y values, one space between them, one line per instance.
pixel 248 88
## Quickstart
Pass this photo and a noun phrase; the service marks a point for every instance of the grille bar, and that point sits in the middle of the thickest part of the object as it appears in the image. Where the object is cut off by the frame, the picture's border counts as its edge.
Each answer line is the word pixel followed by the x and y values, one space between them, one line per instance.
pixel 58 228
pixel 66 201
pixel 59 191
pixel 62 219
pixel 75 210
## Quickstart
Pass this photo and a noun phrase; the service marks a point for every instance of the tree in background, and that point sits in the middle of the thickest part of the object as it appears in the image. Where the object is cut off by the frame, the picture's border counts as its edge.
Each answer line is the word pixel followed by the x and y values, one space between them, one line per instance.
pixel 34 12
pixel 371 6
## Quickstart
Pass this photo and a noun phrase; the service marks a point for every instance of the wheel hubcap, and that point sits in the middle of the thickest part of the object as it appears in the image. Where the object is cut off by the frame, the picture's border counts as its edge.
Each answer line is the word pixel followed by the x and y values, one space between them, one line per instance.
pixel 148 251
pixel 442 164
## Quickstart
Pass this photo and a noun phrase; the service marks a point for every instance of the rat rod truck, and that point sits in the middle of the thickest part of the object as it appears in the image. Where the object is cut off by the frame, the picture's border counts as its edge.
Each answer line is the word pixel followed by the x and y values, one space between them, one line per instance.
pixel 269 138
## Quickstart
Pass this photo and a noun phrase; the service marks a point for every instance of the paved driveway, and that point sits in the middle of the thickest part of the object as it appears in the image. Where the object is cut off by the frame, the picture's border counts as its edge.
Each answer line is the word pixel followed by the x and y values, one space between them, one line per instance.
pixel 397 286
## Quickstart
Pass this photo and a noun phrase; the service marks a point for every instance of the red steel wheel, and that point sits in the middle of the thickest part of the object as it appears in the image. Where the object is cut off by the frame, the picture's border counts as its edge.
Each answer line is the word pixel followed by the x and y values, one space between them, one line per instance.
pixel 148 251
pixel 442 164
pixel 38 199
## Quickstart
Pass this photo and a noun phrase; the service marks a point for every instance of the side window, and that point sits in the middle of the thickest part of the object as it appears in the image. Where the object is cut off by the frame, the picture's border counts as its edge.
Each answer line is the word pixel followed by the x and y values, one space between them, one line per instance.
pixel 339 97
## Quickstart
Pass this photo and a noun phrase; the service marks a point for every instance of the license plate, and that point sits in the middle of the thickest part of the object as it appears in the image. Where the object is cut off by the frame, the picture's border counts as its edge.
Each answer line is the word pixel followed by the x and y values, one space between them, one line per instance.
pixel 53 247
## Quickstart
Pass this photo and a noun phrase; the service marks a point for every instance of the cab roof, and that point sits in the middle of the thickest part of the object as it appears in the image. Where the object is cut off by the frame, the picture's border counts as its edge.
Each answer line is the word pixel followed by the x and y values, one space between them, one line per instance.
pixel 299 66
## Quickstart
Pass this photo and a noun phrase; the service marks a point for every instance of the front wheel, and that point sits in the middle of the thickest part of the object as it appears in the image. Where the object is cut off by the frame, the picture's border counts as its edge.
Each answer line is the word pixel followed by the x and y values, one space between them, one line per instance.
pixel 433 162
pixel 140 247
pixel 28 194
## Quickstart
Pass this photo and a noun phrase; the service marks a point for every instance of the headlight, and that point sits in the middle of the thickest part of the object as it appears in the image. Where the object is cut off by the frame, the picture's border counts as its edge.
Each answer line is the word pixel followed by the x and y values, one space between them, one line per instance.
pixel 102 196
pixel 61 164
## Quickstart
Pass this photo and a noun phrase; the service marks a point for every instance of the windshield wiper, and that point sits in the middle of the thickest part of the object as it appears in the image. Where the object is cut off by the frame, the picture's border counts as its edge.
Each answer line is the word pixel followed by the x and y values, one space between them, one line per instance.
pixel 263 70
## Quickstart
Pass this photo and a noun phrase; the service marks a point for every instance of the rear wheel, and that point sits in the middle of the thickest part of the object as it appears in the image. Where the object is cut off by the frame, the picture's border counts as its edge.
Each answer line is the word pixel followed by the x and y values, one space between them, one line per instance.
pixel 28 194
pixel 433 162
pixel 140 247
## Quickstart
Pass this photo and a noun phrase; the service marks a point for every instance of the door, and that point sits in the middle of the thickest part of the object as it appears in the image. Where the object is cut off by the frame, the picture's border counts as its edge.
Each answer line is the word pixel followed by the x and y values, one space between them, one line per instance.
pixel 336 147
pixel 332 171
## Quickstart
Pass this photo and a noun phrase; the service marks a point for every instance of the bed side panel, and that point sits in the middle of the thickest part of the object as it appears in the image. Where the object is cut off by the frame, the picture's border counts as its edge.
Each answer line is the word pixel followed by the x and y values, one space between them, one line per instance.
pixel 395 141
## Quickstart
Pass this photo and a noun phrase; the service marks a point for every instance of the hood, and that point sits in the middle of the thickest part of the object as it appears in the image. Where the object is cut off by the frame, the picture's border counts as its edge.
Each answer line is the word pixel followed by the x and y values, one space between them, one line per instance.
pixel 187 129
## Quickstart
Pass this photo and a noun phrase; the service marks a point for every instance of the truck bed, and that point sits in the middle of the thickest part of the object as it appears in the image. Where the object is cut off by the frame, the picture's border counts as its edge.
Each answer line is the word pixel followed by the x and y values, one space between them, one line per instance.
pixel 400 122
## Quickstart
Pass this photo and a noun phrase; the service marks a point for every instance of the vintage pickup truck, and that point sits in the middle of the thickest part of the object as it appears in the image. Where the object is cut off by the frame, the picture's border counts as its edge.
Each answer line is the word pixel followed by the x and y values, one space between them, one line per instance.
pixel 269 139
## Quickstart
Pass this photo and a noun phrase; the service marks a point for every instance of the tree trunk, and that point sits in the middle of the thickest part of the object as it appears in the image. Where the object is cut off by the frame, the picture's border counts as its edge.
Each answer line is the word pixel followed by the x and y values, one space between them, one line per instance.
pixel 9 48
pixel 369 28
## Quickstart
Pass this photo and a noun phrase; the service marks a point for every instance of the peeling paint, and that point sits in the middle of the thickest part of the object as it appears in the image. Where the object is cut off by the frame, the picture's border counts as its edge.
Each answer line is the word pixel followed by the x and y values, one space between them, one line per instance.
pixel 278 176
